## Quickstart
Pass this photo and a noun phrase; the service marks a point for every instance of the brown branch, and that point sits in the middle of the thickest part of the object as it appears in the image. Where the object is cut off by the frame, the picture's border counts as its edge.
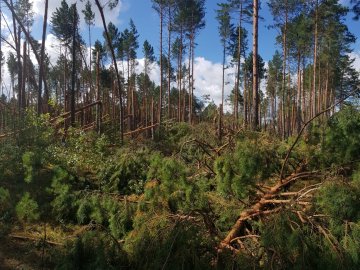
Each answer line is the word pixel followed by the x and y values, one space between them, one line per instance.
pixel 77 110
pixel 29 238
pixel 261 206
pixel 139 130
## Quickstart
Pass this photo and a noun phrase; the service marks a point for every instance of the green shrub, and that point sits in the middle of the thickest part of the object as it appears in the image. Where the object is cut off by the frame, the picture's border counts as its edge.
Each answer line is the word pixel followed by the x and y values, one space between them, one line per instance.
pixel 27 209
pixel 253 161
pixel 91 251
pixel 342 141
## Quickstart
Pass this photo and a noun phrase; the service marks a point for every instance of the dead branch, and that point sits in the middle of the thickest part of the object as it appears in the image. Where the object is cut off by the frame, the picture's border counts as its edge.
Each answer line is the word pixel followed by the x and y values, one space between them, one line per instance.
pixel 261 206
pixel 139 130
pixel 66 114
pixel 29 238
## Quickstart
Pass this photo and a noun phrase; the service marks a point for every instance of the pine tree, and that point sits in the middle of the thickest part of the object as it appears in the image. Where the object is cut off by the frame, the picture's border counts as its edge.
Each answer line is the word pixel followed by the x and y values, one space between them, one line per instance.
pixel 89 19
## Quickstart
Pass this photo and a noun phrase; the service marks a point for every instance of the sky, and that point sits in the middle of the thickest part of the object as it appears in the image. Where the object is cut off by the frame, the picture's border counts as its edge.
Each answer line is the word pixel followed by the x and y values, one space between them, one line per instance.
pixel 208 51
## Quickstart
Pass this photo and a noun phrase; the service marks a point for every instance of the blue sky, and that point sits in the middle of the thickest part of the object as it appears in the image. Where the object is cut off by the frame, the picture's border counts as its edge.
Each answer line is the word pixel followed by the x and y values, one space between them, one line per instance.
pixel 208 67
pixel 209 47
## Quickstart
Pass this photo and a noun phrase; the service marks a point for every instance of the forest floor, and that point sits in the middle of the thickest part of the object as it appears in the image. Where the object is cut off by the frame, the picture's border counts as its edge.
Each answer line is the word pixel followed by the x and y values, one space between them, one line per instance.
pixel 20 254
pixel 23 248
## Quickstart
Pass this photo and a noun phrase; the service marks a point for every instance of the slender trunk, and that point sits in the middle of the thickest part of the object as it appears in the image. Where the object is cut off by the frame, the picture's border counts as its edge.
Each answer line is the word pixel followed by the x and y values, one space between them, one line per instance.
pixel 284 73
pixel 189 79
pixel 169 63
pixel 326 96
pixel 90 69
pixel 146 93
pixel 152 118
pixel 315 61
pixel 245 101
pixel 98 95
pixel 255 80
pixel 303 107
pixel 161 62
pixel 221 112
pixel 42 62
pixel 1 92
pixel 192 78
pixel 298 99
pixel 180 72
pixel 237 82
pixel 73 72
pixel 23 82
pixel 289 101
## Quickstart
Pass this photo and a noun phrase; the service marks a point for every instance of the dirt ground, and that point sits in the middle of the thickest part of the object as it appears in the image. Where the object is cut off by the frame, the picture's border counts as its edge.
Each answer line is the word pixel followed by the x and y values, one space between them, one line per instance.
pixel 22 255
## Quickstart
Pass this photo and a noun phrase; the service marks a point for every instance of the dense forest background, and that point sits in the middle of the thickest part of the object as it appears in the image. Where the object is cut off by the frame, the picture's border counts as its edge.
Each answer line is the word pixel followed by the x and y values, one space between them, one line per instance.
pixel 103 168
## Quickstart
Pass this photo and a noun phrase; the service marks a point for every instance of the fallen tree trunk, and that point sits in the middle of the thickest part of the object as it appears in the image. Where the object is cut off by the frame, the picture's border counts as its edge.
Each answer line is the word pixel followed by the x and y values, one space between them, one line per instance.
pixel 139 130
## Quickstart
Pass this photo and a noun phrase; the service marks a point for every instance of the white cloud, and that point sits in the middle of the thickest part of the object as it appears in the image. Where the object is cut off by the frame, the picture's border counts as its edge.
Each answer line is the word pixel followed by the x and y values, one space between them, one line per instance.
pixel 208 79
pixel 110 15
pixel 356 56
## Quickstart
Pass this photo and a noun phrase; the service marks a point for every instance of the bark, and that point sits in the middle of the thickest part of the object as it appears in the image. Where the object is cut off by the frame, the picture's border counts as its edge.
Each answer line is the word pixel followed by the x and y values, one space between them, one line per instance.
pixel 73 72
pixel 161 62
pixel 237 82
pixel 23 82
pixel 315 61
pixel 284 74
pixel 42 64
pixel 192 77
pixel 169 62
pixel 255 80
pixel 222 91
pixel 98 95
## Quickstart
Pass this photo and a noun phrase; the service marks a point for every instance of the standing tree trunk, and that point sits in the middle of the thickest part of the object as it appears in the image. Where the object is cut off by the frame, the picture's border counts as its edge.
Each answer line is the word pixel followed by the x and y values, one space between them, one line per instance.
pixel 23 82
pixel 192 78
pixel 313 92
pixel 73 72
pixel 255 81
pixel 221 109
pixel 284 45
pixel 237 79
pixel 298 99
pixel 161 63
pixel 99 105
pixel 169 62
pixel 42 56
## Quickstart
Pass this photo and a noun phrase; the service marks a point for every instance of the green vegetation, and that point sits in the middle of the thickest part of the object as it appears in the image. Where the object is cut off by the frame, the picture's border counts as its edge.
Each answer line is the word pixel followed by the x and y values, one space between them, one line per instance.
pixel 141 207
pixel 104 166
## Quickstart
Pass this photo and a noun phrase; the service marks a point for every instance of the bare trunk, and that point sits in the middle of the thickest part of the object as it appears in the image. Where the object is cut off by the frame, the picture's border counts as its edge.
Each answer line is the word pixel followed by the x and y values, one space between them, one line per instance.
pixel 161 63
pixel 315 61
pixel 98 95
pixel 169 64
pixel 73 72
pixel 255 80
pixel 23 82
pixel 42 62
